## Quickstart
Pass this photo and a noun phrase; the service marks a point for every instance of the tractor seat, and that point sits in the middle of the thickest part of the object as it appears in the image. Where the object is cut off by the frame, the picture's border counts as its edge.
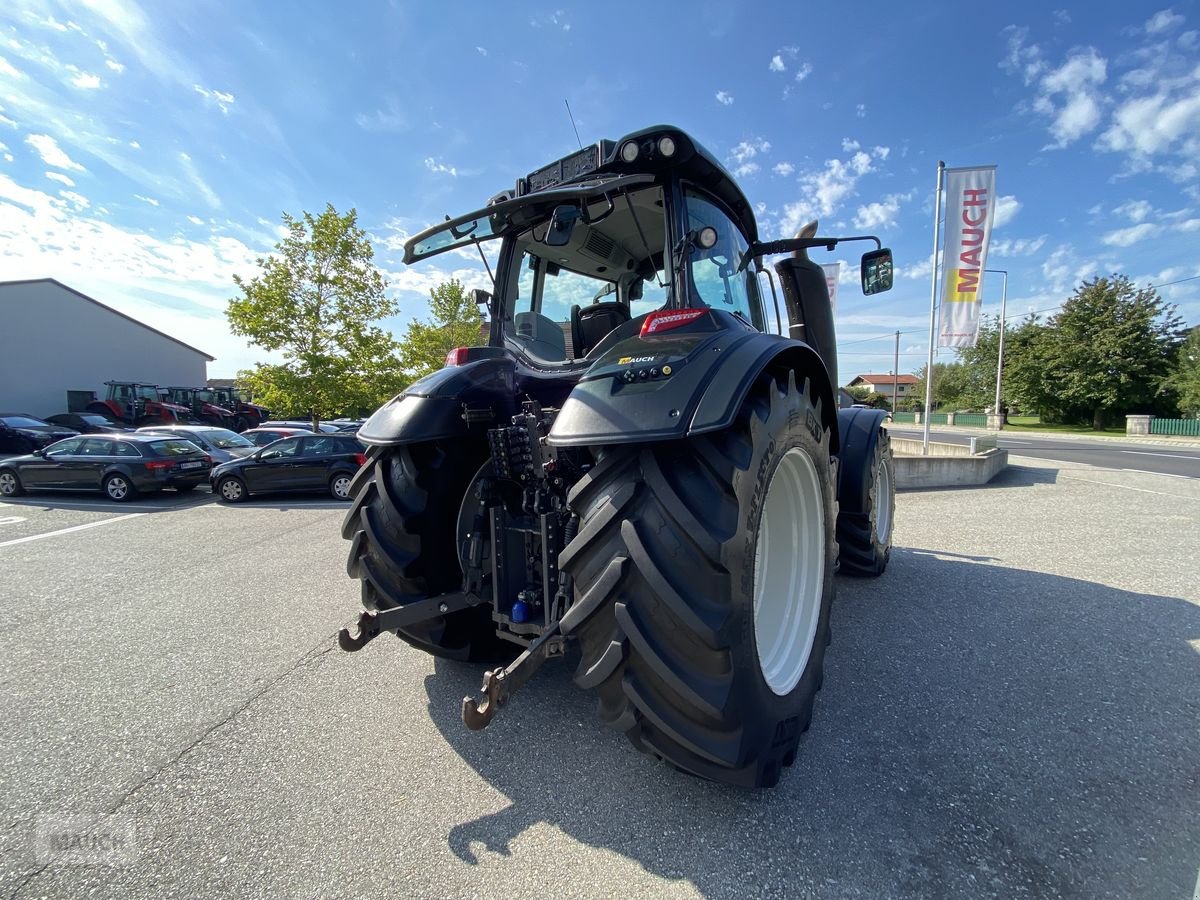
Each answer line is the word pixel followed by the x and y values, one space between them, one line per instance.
pixel 590 324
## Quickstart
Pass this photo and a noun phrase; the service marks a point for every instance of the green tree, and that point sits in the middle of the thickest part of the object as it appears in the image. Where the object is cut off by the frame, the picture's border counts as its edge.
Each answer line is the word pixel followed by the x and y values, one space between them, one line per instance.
pixel 315 302
pixel 948 380
pixel 457 322
pixel 1110 348
pixel 1184 380
pixel 975 382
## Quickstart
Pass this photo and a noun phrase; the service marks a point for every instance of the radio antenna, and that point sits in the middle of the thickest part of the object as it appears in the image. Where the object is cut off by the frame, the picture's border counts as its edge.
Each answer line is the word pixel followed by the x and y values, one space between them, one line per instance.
pixel 572 118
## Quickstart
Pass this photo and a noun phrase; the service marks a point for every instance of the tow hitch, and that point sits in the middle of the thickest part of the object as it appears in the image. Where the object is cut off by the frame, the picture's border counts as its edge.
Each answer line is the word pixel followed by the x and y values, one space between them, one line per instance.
pixel 371 625
pixel 500 684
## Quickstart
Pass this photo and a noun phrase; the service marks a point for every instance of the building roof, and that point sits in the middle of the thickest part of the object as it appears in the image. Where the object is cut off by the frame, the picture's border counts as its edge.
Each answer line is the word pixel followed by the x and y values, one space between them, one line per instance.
pixel 83 296
pixel 884 379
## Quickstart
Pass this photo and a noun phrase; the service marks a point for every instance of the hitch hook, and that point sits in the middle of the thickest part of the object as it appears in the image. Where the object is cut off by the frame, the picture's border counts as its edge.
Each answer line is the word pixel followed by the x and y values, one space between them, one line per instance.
pixel 478 714
pixel 499 684
pixel 368 630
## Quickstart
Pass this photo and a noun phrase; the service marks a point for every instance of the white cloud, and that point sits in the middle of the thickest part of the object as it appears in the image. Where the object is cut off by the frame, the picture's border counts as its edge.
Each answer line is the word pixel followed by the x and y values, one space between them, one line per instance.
pixel 1135 210
pixel 1022 59
pixel 440 168
pixel 195 220
pixel 1007 208
pixel 86 81
pixel 784 169
pixel 77 200
pixel 6 68
pixel 747 150
pixel 1164 20
pixel 194 178
pixel 1062 17
pixel 115 66
pixel 389 118
pixel 135 145
pixel 1127 237
pixel 1165 121
pixel 5 120
pixel 556 19
pixel 745 169
pixel 482 51
pixel 777 64
pixel 881 214
pixel 803 72
pixel 52 155
pixel 860 110
pixel 1070 96
pixel 51 22
pixel 825 189
pixel 1010 247
pixel 60 178
pixel 221 99
pixel 1188 225
pixel 146 199
pixel 724 98
pixel 883 152
pixel 849 146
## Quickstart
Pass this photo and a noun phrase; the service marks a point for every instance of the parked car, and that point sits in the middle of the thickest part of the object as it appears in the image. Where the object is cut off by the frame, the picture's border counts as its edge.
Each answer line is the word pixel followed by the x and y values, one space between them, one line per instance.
pixel 88 423
pixel 260 437
pixel 327 427
pixel 219 443
pixel 120 465
pixel 23 433
pixel 311 462
pixel 348 425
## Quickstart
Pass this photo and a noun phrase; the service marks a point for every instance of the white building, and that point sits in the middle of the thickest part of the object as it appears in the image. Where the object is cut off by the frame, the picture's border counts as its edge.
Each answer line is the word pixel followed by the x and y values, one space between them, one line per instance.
pixel 57 342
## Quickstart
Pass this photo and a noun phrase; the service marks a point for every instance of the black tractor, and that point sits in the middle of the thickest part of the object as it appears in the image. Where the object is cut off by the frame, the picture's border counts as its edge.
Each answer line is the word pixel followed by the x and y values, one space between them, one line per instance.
pixel 645 469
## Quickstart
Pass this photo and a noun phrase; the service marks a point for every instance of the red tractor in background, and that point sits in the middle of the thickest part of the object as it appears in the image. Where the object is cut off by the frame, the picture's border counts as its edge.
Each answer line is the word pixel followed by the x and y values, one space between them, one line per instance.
pixel 248 415
pixel 134 403
pixel 203 406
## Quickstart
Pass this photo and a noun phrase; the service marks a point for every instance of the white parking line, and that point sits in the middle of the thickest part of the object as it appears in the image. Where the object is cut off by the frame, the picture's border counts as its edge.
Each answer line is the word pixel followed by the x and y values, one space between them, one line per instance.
pixel 1148 453
pixel 1109 484
pixel 11 520
pixel 38 537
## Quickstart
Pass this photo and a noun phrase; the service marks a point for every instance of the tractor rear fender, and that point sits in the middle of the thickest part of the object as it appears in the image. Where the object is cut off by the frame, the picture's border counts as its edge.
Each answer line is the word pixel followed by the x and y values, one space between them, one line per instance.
pixel 635 395
pixel 446 403
pixel 858 430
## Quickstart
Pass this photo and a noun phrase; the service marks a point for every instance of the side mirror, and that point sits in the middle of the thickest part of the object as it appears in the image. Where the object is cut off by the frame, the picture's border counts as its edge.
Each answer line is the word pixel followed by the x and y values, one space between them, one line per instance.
pixel 562 225
pixel 41 453
pixel 875 271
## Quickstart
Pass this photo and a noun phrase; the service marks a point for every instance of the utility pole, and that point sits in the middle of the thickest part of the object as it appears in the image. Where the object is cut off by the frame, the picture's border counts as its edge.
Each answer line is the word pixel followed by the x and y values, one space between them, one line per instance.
pixel 1000 349
pixel 896 375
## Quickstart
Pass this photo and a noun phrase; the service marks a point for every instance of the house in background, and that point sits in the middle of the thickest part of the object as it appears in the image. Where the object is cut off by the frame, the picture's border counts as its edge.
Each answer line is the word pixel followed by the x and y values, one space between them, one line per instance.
pixel 60 346
pixel 904 385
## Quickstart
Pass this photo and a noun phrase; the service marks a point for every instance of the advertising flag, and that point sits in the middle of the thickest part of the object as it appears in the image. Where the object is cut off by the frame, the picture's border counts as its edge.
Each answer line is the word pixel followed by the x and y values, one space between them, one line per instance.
pixel 970 207
pixel 832 271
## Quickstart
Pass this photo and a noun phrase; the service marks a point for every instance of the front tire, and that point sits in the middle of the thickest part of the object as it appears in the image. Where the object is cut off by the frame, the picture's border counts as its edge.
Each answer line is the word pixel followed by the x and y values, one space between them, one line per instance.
pixel 232 490
pixel 403 529
pixel 10 484
pixel 339 486
pixel 703 573
pixel 865 538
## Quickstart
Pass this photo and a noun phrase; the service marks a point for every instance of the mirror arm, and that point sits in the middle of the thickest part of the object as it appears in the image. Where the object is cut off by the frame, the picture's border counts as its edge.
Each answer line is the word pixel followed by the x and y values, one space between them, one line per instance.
pixel 791 245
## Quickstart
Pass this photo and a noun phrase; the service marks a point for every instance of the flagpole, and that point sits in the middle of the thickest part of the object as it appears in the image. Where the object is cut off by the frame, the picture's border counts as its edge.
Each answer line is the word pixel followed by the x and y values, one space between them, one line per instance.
pixel 937 221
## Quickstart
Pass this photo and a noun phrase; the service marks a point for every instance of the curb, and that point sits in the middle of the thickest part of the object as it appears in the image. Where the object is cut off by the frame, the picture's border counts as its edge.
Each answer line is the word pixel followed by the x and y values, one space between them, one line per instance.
pixel 1155 440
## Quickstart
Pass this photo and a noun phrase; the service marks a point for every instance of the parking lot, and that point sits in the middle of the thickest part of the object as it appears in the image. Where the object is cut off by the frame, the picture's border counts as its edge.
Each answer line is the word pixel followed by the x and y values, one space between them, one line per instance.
pixel 1010 710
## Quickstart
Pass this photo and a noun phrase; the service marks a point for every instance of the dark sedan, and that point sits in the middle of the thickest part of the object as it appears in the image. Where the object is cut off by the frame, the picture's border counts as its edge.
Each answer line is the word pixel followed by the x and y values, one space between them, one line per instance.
pixel 121 466
pixel 88 423
pixel 313 462
pixel 219 443
pixel 260 437
pixel 23 433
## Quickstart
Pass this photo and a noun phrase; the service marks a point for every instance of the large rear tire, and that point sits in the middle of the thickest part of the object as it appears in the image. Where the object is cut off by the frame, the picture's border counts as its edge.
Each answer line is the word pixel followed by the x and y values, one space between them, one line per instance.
pixel 403 529
pixel 703 577
pixel 865 538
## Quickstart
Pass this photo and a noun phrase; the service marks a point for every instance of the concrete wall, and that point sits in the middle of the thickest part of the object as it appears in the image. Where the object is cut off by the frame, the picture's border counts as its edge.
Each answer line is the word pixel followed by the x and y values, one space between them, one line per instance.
pixel 55 341
pixel 949 471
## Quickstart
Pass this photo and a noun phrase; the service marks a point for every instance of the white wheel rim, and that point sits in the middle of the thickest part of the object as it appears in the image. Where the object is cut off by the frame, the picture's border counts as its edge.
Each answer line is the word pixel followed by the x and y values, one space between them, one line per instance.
pixel 341 487
pixel 8 483
pixel 883 502
pixel 231 490
pixel 789 571
pixel 117 488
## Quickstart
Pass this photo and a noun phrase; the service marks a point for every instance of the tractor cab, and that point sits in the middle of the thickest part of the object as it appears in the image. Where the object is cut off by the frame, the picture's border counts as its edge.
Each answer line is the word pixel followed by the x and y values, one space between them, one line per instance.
pixel 615 241
pixel 201 404
pixel 137 403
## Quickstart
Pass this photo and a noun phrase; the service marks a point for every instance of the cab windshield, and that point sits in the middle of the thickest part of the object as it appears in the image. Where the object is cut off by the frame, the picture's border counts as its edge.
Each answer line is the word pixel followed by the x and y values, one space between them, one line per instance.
pixel 564 300
pixel 715 279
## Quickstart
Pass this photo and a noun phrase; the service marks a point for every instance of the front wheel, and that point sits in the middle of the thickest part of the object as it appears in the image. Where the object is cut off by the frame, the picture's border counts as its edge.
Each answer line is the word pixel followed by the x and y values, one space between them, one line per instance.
pixel 339 486
pixel 231 489
pixel 703 578
pixel 865 536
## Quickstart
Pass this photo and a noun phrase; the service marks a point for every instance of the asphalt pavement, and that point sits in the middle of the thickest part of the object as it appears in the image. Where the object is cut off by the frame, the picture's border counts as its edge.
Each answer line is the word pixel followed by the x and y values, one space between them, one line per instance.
pixel 1108 453
pixel 1009 711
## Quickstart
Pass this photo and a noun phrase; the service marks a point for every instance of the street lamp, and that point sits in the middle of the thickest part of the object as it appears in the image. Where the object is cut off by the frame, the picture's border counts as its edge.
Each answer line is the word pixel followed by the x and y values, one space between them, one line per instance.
pixel 1000 349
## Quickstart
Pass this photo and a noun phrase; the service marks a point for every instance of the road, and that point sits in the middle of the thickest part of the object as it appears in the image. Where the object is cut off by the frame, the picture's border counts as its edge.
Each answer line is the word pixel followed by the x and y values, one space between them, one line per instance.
pixel 1009 711
pixel 1103 452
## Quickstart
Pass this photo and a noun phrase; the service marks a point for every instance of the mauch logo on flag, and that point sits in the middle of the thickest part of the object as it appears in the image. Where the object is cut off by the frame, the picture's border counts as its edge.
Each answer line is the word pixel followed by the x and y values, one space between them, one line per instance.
pixel 970 207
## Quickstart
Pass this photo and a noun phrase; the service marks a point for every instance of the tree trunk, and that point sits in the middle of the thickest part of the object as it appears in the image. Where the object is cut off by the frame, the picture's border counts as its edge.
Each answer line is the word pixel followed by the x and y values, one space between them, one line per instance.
pixel 1098 420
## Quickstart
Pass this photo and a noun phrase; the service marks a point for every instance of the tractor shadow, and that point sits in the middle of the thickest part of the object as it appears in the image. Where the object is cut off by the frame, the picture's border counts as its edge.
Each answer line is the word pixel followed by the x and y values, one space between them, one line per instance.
pixel 982 731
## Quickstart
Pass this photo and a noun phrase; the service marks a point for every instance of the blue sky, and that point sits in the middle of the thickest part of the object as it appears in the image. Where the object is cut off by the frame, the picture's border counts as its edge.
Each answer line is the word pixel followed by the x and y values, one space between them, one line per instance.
pixel 147 151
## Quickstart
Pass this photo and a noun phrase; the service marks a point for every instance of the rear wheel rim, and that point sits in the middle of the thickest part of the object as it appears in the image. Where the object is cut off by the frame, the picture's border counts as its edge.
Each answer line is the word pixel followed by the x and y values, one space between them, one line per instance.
pixel 117 488
pixel 789 571
pixel 341 487
pixel 8 483
pixel 231 490
pixel 883 502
